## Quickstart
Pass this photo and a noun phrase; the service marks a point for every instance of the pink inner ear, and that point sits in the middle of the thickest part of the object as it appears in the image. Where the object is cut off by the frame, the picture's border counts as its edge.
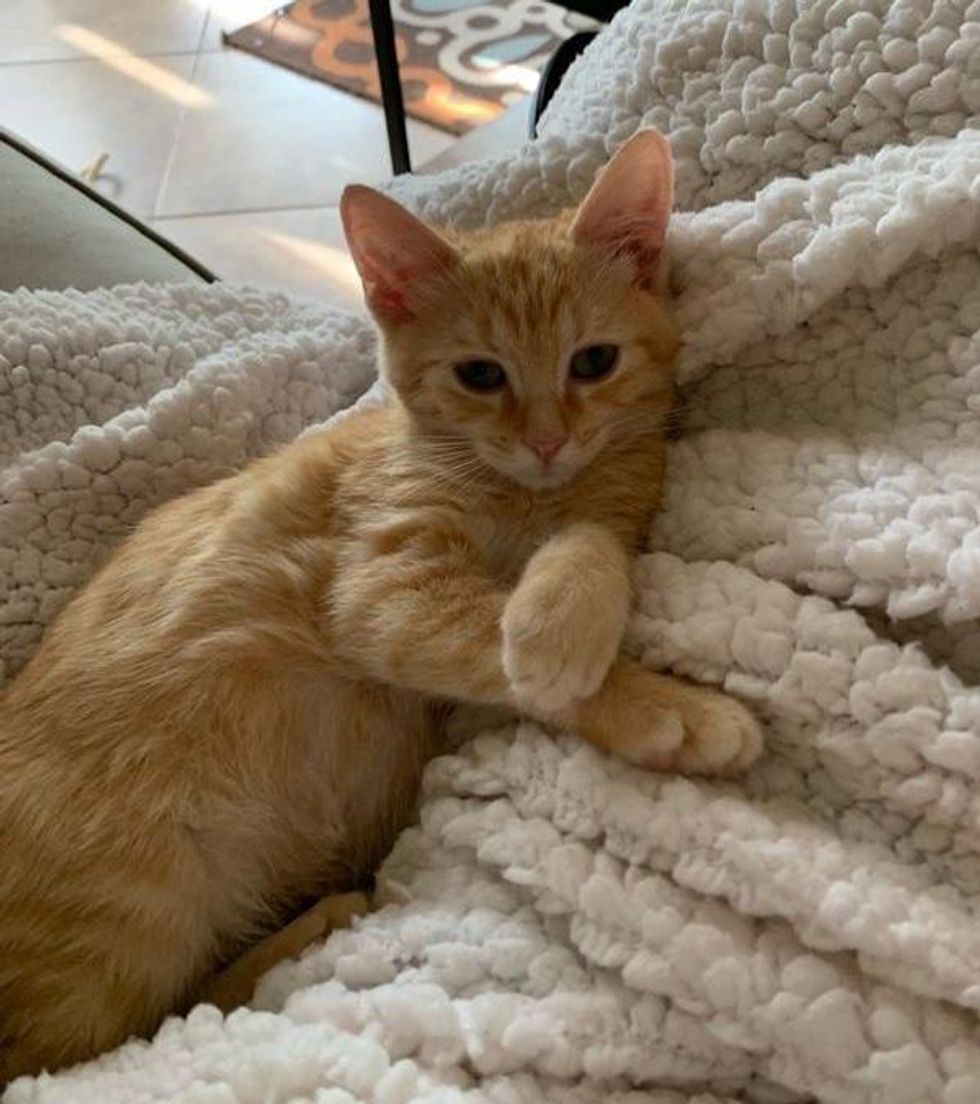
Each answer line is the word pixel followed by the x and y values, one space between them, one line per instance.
pixel 385 285
pixel 395 252
pixel 387 301
pixel 628 208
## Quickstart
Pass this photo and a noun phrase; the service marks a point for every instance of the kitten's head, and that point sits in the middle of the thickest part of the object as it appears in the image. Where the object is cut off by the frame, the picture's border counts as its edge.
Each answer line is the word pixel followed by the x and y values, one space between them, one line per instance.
pixel 538 343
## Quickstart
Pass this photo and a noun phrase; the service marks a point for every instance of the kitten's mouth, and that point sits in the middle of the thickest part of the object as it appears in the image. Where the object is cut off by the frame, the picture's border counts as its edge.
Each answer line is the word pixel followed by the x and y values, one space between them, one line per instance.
pixel 535 476
pixel 546 478
pixel 543 477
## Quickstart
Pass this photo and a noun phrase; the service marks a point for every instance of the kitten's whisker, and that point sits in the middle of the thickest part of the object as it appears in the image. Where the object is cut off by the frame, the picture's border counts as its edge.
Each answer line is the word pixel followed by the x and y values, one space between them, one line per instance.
pixel 467 473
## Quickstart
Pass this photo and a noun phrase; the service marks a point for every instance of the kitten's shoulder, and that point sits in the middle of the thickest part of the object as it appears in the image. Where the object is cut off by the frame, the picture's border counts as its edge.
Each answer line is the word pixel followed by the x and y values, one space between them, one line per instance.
pixel 304 482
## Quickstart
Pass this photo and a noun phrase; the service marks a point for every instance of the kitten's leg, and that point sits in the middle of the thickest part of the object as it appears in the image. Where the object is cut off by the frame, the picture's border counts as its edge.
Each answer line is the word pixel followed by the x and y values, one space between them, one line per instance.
pixel 562 628
pixel 417 612
pixel 92 953
pixel 564 623
pixel 664 723
pixel 415 609
pixel 234 986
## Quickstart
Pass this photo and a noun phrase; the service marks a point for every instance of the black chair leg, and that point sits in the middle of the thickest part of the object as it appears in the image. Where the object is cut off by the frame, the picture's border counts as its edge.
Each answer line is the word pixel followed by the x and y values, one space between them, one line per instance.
pixel 553 72
pixel 386 56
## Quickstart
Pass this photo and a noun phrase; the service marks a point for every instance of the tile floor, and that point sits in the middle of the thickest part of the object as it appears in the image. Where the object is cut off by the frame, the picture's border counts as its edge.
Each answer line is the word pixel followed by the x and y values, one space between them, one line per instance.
pixel 239 161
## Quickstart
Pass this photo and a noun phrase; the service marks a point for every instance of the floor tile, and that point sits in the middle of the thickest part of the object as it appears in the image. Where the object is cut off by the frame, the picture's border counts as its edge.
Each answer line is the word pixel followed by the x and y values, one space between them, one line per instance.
pixel 48 30
pixel 301 252
pixel 124 106
pixel 272 138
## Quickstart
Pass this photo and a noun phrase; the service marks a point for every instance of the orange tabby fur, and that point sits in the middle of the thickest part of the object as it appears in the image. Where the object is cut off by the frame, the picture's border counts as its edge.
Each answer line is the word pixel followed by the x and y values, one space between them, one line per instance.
pixel 232 717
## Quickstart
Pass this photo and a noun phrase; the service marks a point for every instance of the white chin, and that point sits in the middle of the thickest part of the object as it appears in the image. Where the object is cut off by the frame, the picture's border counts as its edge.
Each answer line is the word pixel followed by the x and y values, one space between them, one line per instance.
pixel 543 479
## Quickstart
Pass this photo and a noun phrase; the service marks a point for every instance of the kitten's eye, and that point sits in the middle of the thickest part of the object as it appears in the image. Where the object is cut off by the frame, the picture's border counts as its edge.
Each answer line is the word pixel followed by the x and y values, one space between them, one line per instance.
pixel 481 375
pixel 594 362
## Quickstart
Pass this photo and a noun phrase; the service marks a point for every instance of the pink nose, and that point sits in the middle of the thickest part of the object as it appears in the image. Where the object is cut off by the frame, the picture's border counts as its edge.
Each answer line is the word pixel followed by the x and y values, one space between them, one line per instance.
pixel 546 445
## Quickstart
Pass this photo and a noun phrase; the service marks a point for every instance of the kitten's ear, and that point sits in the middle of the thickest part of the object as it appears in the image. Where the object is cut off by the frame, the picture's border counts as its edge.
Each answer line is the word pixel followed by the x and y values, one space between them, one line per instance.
pixel 395 252
pixel 628 208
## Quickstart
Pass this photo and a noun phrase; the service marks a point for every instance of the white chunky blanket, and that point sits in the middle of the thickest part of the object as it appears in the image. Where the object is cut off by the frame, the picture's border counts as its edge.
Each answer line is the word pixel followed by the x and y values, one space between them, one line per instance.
pixel 561 926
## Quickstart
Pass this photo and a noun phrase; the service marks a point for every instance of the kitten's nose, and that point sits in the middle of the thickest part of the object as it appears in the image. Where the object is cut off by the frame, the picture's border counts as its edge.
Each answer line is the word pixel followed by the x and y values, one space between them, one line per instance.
pixel 546 445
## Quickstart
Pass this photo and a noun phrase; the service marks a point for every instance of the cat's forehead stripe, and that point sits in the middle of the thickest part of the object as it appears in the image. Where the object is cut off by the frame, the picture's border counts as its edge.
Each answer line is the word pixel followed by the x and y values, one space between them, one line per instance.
pixel 525 292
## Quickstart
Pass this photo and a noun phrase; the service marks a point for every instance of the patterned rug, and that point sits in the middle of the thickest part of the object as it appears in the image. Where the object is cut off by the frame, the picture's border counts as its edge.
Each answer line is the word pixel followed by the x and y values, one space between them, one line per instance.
pixel 462 61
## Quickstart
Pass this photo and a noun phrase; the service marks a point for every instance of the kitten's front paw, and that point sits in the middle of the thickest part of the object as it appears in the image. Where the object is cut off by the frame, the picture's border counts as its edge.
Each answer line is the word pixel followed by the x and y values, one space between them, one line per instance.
pixel 691 729
pixel 558 643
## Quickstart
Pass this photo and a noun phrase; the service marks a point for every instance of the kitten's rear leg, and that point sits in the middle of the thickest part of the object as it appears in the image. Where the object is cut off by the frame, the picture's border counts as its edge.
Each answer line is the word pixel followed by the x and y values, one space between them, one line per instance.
pixel 64 1001
pixel 234 986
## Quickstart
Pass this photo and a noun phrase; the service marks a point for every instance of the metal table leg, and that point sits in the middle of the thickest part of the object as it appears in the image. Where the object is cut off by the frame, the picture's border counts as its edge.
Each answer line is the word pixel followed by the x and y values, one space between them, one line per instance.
pixel 383 30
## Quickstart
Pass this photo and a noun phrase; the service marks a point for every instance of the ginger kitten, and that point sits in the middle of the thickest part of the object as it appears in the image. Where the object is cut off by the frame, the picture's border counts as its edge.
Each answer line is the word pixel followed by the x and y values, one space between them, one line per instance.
pixel 231 719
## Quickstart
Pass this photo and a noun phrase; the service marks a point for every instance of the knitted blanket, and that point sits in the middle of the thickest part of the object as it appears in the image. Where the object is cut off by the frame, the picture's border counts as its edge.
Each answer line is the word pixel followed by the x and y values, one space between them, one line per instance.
pixel 561 926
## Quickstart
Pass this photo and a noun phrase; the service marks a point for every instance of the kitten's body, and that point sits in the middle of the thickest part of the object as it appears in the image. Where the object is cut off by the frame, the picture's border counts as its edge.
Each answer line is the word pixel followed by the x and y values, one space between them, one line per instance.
pixel 233 716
